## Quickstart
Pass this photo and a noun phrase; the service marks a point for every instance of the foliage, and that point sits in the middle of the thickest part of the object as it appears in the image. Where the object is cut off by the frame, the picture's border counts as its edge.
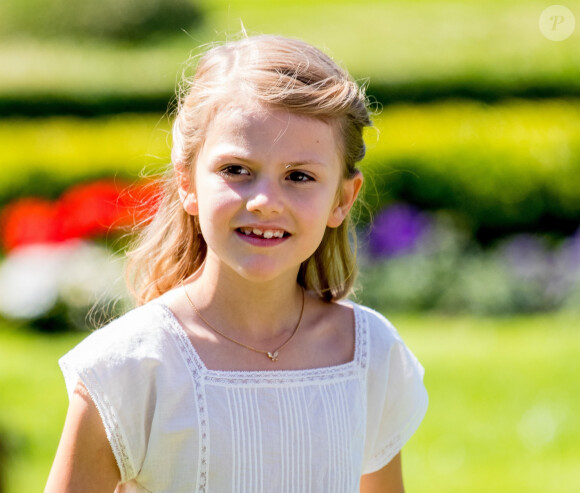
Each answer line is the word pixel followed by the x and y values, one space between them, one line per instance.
pixel 414 261
pixel 502 412
pixel 113 20
pixel 505 167
pixel 43 157
pixel 416 51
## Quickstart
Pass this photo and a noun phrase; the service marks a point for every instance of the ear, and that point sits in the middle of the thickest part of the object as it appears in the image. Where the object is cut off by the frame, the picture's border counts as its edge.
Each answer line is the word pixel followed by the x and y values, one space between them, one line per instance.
pixel 348 193
pixel 186 189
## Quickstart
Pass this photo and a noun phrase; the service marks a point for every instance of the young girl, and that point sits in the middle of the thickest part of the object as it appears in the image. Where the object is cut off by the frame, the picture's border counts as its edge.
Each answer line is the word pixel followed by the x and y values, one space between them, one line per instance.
pixel 241 370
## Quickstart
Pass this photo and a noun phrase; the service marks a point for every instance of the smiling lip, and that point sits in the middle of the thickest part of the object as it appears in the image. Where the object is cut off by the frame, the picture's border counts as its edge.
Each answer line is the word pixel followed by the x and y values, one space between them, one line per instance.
pixel 262 235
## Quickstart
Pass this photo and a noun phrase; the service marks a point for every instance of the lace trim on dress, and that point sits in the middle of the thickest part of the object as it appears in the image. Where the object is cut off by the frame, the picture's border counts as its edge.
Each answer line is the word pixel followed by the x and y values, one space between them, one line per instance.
pixel 362 336
pixel 274 377
pixel 117 440
pixel 203 462
pixel 395 444
pixel 196 370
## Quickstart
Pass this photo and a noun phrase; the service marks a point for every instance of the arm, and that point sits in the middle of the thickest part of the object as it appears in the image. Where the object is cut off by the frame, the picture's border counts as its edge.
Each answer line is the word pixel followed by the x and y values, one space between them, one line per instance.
pixel 389 479
pixel 84 460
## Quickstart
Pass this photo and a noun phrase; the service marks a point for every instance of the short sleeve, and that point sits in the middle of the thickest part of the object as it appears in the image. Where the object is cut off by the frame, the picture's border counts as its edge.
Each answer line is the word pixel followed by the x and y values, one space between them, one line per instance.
pixel 397 399
pixel 116 366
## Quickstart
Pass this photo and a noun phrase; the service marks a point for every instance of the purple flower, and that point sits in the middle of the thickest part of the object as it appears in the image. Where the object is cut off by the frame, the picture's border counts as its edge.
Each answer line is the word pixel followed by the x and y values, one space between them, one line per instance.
pixel 528 257
pixel 570 253
pixel 568 263
pixel 397 230
pixel 543 275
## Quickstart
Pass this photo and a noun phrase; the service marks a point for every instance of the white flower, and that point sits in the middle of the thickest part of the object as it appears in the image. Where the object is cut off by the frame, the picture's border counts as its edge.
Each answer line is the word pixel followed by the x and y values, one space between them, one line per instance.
pixel 93 274
pixel 34 278
pixel 29 279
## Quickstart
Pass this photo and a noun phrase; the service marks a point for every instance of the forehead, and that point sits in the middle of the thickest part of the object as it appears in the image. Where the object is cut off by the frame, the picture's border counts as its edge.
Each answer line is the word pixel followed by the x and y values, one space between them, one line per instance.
pixel 254 128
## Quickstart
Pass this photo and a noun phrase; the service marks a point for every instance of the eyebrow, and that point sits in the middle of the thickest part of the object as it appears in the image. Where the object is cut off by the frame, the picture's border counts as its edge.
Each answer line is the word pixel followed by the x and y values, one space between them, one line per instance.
pixel 247 160
pixel 233 157
pixel 303 163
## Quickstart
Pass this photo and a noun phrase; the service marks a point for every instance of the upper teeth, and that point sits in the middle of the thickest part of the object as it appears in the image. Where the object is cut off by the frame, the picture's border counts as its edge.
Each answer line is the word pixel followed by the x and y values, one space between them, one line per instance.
pixel 268 233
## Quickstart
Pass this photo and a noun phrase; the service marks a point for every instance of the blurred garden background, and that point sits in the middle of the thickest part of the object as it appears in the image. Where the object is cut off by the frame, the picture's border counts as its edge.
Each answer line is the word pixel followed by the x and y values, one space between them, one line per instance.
pixel 469 236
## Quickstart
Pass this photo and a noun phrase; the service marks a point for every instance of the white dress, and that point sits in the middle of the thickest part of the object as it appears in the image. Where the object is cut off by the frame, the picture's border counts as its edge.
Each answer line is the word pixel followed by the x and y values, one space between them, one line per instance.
pixel 176 426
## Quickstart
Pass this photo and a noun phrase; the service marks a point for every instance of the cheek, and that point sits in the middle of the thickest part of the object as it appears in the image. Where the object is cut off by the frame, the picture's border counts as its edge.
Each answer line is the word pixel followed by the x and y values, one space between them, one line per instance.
pixel 216 204
pixel 315 211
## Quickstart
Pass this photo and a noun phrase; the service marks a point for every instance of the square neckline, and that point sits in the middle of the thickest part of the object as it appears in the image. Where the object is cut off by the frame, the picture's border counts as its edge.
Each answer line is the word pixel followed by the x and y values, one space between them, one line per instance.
pixel 268 377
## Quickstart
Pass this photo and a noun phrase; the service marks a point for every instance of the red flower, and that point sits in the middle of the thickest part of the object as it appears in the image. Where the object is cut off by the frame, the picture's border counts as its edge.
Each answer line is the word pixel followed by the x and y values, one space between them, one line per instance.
pixel 97 208
pixel 89 210
pixel 86 210
pixel 29 220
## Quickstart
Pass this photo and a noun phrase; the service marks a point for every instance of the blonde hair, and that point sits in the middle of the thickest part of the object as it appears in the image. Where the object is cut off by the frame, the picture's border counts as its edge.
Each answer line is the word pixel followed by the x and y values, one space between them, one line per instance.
pixel 272 70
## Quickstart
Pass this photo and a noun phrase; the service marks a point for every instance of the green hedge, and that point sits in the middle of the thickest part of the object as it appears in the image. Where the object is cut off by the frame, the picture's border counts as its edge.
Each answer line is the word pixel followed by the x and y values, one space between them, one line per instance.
pixel 410 50
pixel 509 166
pixel 44 156
pixel 505 167
pixel 118 20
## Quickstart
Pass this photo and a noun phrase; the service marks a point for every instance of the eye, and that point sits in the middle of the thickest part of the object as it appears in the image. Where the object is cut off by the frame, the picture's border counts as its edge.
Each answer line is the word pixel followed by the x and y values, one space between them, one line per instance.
pixel 234 170
pixel 300 176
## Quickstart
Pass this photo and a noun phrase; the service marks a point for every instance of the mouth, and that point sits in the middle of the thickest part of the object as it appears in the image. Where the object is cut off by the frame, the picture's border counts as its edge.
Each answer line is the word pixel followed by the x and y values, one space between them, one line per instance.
pixel 266 233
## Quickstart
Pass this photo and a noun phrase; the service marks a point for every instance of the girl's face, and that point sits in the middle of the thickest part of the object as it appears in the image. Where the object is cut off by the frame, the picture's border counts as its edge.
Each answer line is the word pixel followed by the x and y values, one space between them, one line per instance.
pixel 266 185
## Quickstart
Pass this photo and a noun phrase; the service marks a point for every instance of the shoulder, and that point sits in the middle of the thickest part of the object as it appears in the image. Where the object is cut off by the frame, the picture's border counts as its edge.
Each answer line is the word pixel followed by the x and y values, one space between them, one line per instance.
pixel 396 396
pixel 133 331
pixel 132 342
pixel 380 331
pixel 386 347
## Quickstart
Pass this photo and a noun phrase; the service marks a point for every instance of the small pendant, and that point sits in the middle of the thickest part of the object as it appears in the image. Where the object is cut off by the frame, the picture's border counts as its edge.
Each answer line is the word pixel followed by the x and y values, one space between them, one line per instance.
pixel 273 356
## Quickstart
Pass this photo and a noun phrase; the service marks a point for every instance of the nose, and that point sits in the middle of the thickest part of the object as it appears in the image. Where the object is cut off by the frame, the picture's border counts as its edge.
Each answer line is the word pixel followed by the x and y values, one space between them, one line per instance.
pixel 265 198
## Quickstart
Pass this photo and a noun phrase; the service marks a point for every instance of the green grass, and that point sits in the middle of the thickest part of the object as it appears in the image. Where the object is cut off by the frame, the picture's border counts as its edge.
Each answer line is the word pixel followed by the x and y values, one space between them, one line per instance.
pixel 504 404
pixel 502 416
pixel 33 403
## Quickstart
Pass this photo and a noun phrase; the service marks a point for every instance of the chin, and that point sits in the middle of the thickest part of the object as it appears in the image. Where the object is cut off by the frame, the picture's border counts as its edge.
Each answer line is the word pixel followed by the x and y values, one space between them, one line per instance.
pixel 266 273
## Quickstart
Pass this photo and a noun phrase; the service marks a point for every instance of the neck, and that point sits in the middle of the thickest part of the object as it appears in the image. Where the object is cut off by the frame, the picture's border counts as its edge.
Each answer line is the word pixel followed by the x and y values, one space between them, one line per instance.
pixel 255 310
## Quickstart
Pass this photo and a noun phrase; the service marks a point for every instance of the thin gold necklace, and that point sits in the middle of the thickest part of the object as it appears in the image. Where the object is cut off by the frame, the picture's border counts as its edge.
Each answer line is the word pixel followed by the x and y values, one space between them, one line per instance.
pixel 273 355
